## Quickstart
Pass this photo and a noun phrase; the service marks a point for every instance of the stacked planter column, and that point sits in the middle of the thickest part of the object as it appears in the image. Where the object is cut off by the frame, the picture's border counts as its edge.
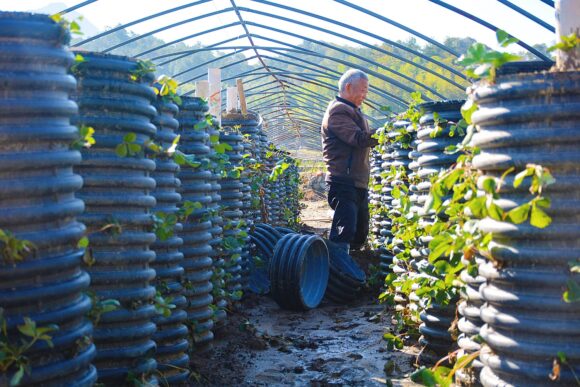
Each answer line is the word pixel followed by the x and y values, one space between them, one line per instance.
pixel 249 126
pixel 117 195
pixel 531 118
pixel 37 202
pixel 196 187
pixel 232 196
pixel 171 336
pixel 436 319
pixel 217 221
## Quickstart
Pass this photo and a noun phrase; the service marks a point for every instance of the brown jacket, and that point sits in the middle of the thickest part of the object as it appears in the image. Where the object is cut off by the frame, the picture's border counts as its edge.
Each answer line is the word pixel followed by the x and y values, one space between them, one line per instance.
pixel 346 143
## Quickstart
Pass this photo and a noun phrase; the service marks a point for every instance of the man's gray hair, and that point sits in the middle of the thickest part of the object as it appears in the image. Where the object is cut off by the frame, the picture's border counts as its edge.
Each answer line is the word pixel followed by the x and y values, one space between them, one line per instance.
pixel 351 76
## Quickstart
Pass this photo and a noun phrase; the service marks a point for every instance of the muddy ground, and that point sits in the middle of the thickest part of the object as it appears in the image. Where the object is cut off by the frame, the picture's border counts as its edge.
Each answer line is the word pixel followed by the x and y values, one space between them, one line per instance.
pixel 332 345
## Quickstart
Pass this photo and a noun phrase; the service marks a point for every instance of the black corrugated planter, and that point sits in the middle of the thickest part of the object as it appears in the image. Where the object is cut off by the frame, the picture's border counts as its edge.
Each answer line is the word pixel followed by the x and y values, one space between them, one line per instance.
pixel 346 278
pixel 171 335
pixel 299 271
pixel 37 202
pixel 217 221
pixel 232 196
pixel 264 237
pixel 117 194
pixel 431 159
pixel 248 125
pixel 531 118
pixel 469 325
pixel 196 187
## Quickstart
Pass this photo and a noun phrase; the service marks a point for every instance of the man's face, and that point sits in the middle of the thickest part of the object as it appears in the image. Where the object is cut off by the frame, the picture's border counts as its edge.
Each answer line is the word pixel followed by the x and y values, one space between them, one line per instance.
pixel 356 92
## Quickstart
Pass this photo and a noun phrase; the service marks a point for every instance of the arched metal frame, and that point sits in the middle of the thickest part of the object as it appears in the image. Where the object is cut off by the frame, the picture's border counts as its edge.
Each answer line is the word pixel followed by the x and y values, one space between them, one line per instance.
pixel 289 103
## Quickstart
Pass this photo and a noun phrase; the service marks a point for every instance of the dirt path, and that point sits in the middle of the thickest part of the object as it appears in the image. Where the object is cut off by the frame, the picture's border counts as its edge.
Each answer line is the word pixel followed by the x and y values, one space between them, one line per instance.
pixel 331 345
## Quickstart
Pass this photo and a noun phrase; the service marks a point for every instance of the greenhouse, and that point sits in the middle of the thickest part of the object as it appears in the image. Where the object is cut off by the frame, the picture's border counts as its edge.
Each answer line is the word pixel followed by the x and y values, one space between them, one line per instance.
pixel 267 192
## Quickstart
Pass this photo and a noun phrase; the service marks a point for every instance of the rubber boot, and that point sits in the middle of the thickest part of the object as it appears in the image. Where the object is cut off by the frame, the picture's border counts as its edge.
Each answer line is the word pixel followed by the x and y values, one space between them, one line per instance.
pixel 344 247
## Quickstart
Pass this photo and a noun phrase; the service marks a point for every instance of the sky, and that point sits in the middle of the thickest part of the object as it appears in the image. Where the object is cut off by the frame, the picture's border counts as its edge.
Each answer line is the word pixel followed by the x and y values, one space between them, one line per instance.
pixel 424 16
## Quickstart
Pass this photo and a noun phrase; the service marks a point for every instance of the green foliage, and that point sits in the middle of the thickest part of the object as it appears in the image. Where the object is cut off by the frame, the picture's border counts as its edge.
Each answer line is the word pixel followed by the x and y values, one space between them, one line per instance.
pixel 163 306
pixel 12 249
pixel 278 170
pixel 13 348
pixel 129 147
pixel 566 43
pixel 482 63
pixel 72 26
pixel 142 69
pixel 164 225
pixel 168 89
pixel 85 140
pixel 100 307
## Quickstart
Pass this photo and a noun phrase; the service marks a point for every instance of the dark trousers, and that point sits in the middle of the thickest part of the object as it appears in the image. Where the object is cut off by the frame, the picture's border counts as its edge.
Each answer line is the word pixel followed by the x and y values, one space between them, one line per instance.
pixel 351 214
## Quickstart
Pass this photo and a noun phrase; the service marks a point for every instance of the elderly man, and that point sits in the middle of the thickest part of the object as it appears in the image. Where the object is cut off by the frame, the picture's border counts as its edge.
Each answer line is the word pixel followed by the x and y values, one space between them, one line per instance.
pixel 346 142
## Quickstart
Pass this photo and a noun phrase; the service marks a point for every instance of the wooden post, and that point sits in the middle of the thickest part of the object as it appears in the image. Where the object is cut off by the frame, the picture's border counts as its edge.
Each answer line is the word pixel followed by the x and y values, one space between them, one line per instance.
pixel 567 22
pixel 242 96
pixel 202 89
pixel 232 99
pixel 214 77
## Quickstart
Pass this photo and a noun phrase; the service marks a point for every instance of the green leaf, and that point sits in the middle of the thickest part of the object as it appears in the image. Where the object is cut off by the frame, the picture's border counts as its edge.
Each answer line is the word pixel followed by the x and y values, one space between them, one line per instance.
pixel 489 185
pixel 572 294
pixel 28 328
pixel 424 376
pixel 562 357
pixel 493 210
pixel 17 377
pixel 504 39
pixel 519 214
pixel 121 150
pixel 438 246
pixel 566 43
pixel 130 137
pixel 467 110
pixel 539 218
pixel 522 175
pixel 83 243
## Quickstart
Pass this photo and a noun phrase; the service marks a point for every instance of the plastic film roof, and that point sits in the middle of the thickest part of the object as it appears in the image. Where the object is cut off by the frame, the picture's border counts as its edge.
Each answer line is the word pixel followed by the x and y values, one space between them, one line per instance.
pixel 290 54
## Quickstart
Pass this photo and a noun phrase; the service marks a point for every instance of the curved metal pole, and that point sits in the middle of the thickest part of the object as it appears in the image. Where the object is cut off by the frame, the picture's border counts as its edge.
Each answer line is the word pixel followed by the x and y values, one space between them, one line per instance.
pixel 321 43
pixel 284 108
pixel 398 25
pixel 301 97
pixel 367 70
pixel 368 102
pixel 146 34
pixel 260 59
pixel 208 62
pixel 266 95
pixel 118 28
pixel 293 49
pixel 274 103
pixel 368 45
pixel 216 47
pixel 376 90
pixel 352 28
pixel 186 38
pixel 75 7
pixel 275 100
pixel 332 87
pixel 528 15
pixel 306 90
pixel 487 25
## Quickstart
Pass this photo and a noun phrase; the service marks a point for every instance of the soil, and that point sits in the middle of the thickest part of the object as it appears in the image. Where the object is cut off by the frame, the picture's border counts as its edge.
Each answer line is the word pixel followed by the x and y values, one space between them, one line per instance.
pixel 331 345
